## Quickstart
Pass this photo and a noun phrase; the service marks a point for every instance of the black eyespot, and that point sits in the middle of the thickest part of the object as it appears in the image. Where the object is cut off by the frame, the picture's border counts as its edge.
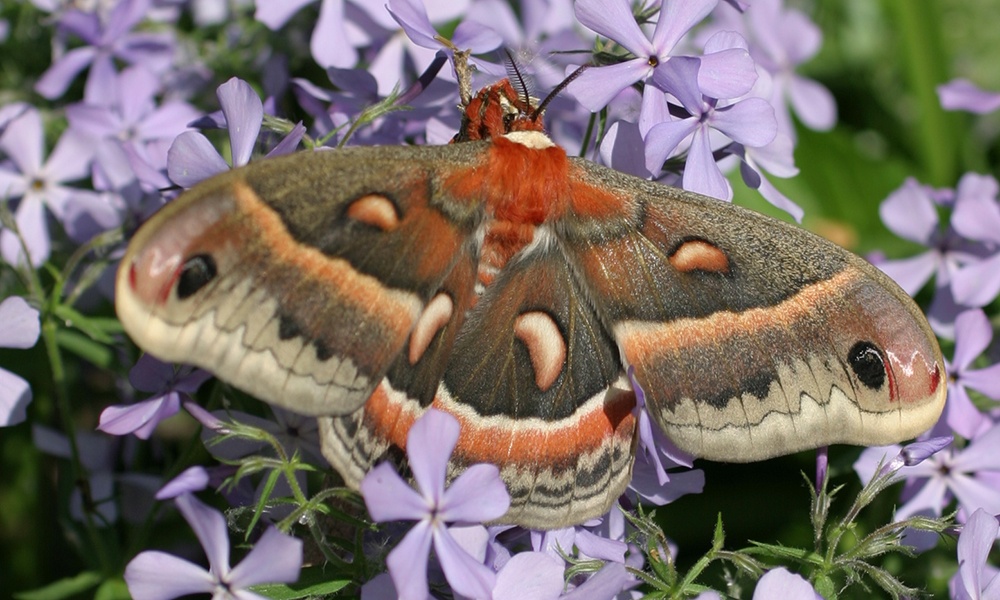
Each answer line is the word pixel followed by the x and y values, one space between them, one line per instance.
pixel 868 365
pixel 195 274
pixel 288 328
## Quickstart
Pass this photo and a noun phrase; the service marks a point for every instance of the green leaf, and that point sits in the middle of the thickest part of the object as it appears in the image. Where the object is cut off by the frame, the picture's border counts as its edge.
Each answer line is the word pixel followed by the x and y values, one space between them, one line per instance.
pixel 85 347
pixel 99 329
pixel 313 581
pixel 113 589
pixel 64 588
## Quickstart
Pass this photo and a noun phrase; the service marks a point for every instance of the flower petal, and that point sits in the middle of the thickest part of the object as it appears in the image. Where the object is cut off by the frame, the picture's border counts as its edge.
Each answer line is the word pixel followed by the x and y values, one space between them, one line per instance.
pixel 244 114
pixel 977 284
pixel 15 395
pixel 477 495
pixel 465 574
pixel 962 94
pixel 330 45
pixel 750 122
pixel 20 324
pixel 614 20
pixel 974 545
pixel 408 563
pixel 192 158
pixel 192 479
pixel 972 335
pixel 56 79
pixel 389 498
pixel 781 583
pixel 910 213
pixel 428 447
pixel 596 87
pixel 275 558
pixel 210 527
pixel 529 576
pixel 911 274
pixel 153 575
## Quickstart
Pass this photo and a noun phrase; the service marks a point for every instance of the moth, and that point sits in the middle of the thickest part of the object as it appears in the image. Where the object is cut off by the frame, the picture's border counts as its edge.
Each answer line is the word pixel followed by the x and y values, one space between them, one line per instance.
pixel 512 286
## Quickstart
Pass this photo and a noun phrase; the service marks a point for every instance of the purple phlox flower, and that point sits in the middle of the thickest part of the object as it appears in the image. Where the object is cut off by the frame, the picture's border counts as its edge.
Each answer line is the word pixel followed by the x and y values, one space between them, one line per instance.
pixel 169 386
pixel 777 159
pixel 334 38
pixel 960 473
pixel 475 496
pixel 9 112
pixel 656 454
pixel 613 579
pixel 193 479
pixel 357 90
pixel 782 584
pixel 99 455
pixel 134 126
pixel 20 328
pixel 275 558
pixel 622 149
pixel 973 333
pixel 106 39
pixel 909 455
pixel 192 158
pixel 418 41
pixel 976 579
pixel 40 183
pixel 977 218
pixel 724 72
pixel 911 212
pixel 780 40
pixel 749 121
pixel 962 94
pixel 532 575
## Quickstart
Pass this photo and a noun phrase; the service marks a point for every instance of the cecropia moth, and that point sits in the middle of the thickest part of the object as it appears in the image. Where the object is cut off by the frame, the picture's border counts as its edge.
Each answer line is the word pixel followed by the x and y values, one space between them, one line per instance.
pixel 512 286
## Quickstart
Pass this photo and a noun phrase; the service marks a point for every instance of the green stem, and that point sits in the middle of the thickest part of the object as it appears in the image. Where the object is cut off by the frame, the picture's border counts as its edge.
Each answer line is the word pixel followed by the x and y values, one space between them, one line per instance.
pixel 78 471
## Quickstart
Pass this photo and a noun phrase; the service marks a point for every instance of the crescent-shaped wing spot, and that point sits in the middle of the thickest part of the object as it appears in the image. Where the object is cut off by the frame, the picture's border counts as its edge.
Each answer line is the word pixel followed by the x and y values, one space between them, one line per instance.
pixel 546 346
pixel 375 210
pixel 699 255
pixel 436 315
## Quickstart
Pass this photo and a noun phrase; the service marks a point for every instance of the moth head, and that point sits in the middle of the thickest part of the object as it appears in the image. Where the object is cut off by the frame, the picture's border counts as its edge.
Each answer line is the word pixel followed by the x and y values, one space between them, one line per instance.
pixel 172 258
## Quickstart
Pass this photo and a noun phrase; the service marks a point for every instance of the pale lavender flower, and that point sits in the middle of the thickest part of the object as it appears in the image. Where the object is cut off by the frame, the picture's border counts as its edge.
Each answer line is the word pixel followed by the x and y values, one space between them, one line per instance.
pixel 106 40
pixel 964 474
pixel 421 44
pixel 655 454
pixel 781 39
pixel 193 479
pixel 20 329
pixel 475 496
pixel 973 333
pixel 134 125
pixel 976 579
pixel 962 94
pixel 169 384
pixel 39 183
pixel 192 158
pixel 977 218
pixel 596 87
pixel 749 122
pixel 609 582
pixel 782 584
pixel 911 212
pixel 331 42
pixel 529 575
pixel 154 575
